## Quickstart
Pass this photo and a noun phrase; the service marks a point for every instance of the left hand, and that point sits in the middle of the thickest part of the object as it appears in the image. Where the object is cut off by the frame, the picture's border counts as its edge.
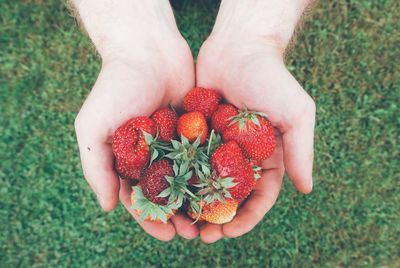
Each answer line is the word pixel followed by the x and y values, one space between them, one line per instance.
pixel 250 72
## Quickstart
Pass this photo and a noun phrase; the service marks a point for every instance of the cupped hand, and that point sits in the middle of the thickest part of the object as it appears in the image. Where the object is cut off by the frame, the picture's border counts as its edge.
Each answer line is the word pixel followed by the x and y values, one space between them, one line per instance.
pixel 133 83
pixel 250 73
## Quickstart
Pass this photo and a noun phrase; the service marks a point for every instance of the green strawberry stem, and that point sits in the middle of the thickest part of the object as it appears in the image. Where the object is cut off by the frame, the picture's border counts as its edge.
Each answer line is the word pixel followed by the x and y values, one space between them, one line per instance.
pixel 199 212
pixel 210 142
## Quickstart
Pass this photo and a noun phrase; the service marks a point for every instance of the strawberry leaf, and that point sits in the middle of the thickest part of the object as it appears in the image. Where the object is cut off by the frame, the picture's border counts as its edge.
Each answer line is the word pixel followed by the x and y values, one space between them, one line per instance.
pixel 175 144
pixel 165 193
pixel 147 137
pixel 241 125
pixel 196 143
pixel 149 209
pixel 255 120
pixel 227 194
pixel 154 155
pixel 184 140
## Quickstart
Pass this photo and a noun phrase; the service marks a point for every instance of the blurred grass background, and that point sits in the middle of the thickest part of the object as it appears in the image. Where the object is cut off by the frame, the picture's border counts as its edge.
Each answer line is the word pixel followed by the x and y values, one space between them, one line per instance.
pixel 347 58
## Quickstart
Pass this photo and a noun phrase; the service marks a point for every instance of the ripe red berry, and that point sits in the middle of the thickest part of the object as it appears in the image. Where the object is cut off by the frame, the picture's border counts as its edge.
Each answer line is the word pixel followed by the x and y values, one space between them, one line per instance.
pixel 166 120
pixel 228 161
pixel 130 148
pixel 254 133
pixel 221 117
pixel 202 100
pixel 153 181
pixel 192 125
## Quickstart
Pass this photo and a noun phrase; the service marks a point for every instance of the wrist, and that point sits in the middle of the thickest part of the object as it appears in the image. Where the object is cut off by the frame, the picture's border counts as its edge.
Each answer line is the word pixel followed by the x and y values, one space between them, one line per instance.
pixel 272 21
pixel 127 28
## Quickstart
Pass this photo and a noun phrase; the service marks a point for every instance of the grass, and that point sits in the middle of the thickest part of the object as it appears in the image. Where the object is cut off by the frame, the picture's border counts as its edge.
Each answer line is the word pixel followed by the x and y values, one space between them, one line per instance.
pixel 346 57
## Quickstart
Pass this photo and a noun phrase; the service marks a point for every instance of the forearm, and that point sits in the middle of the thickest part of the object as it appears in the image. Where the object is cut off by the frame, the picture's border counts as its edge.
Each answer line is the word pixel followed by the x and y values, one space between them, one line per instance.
pixel 273 20
pixel 120 25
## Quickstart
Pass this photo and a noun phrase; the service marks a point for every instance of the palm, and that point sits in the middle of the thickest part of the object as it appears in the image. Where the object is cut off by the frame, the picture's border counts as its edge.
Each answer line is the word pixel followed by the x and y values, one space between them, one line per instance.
pixel 124 90
pixel 254 76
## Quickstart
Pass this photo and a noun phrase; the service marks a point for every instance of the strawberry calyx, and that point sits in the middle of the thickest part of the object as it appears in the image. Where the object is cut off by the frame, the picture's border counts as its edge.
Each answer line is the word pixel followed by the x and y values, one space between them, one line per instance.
pixel 178 189
pixel 191 155
pixel 245 116
pixel 156 146
pixel 213 187
pixel 149 209
pixel 214 141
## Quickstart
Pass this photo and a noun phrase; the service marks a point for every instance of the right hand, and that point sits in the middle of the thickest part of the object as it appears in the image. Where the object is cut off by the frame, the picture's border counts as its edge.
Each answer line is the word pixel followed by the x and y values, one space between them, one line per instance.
pixel 145 65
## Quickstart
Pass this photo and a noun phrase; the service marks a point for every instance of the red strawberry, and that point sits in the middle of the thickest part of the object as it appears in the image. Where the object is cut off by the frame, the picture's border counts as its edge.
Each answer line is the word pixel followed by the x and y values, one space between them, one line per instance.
pixel 228 162
pixel 130 148
pixel 220 118
pixel 153 181
pixel 254 133
pixel 226 154
pixel 127 170
pixel 202 100
pixel 215 212
pixel 192 125
pixel 161 190
pixel 166 120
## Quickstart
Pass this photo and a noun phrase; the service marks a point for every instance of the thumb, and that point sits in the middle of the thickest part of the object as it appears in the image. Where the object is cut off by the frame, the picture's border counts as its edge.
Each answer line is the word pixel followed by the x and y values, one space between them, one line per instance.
pixel 298 140
pixel 97 163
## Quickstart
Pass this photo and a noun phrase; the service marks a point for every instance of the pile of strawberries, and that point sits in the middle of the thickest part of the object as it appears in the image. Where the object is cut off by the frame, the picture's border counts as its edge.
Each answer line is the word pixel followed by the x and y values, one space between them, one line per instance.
pixel 204 161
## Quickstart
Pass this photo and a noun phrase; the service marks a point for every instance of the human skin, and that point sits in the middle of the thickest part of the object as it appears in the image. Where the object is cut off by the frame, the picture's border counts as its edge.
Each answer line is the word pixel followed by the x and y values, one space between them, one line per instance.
pixel 145 64
pixel 243 58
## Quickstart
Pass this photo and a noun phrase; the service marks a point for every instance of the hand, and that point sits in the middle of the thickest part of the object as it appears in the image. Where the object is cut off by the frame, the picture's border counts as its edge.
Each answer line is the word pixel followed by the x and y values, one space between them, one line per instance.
pixel 146 64
pixel 245 63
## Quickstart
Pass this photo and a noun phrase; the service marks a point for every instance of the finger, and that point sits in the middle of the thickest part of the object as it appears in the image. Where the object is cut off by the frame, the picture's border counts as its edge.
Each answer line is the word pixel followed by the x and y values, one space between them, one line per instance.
pixel 276 160
pixel 211 233
pixel 257 205
pixel 97 163
pixel 184 227
pixel 160 231
pixel 298 142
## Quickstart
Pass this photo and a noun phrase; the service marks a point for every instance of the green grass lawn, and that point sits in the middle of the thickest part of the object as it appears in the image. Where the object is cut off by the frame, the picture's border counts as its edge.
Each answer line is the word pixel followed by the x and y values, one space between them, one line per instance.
pixel 346 57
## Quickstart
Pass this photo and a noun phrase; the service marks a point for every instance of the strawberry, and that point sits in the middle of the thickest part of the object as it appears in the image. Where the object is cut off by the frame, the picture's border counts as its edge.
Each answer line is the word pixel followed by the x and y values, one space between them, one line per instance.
pixel 166 120
pixel 193 125
pixel 153 181
pixel 161 190
pixel 253 132
pixel 202 100
pixel 231 177
pixel 221 117
pixel 228 162
pixel 227 154
pixel 129 146
pixel 127 170
pixel 216 212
